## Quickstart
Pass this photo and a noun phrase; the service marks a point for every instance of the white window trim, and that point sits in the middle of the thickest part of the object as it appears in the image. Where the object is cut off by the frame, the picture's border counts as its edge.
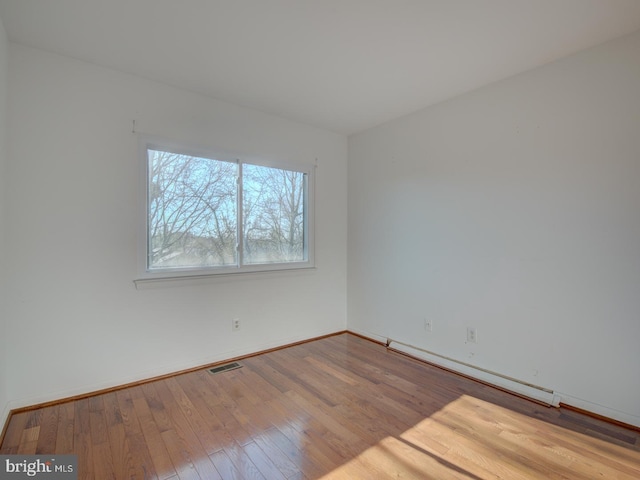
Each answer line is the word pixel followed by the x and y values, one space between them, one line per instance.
pixel 205 273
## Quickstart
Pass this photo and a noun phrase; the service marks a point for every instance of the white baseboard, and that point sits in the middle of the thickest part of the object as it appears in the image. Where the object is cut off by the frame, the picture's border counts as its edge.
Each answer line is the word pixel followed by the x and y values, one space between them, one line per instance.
pixel 369 335
pixel 553 398
pixel 600 410
pixel 145 375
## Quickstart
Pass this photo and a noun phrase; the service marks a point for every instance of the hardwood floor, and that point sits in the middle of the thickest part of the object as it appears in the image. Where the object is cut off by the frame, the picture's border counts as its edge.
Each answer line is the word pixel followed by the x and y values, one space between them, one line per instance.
pixel 340 407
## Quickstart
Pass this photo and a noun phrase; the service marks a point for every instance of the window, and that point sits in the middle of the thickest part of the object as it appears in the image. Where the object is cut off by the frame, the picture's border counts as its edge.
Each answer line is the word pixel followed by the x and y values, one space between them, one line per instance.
pixel 208 214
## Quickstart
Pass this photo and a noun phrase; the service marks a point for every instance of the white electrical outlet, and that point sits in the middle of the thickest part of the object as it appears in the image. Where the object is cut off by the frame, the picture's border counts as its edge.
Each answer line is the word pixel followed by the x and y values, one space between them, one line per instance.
pixel 428 325
pixel 472 335
pixel 235 324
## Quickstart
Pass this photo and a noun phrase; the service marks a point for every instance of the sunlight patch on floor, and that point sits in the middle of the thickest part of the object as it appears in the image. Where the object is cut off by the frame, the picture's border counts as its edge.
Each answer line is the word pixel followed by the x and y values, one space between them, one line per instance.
pixel 474 439
pixel 394 458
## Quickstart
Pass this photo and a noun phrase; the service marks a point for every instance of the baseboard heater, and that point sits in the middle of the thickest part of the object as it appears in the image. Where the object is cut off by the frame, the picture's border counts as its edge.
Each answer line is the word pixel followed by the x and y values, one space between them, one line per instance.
pixel 505 382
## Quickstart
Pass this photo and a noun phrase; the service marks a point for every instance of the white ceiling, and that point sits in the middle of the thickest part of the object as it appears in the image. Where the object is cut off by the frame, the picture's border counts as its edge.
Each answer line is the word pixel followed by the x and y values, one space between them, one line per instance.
pixel 342 65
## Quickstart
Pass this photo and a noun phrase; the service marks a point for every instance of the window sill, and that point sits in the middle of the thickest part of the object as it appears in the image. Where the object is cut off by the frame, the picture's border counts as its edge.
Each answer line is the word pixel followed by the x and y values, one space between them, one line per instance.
pixel 203 278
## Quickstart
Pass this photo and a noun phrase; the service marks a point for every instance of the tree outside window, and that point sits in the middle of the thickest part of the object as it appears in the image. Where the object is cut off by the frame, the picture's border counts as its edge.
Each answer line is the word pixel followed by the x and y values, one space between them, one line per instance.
pixel 209 214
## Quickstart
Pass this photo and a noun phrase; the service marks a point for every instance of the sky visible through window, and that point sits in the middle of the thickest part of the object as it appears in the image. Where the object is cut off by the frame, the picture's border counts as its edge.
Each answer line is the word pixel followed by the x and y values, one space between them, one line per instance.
pixel 194 219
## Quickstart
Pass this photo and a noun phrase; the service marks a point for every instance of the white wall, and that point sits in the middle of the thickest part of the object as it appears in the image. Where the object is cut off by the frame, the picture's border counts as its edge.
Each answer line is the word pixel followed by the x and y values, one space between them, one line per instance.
pixel 4 396
pixel 514 209
pixel 76 323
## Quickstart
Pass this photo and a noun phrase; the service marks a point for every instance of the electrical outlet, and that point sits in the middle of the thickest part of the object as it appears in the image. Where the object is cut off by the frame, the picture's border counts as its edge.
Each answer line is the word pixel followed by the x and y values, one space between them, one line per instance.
pixel 472 335
pixel 428 325
pixel 235 324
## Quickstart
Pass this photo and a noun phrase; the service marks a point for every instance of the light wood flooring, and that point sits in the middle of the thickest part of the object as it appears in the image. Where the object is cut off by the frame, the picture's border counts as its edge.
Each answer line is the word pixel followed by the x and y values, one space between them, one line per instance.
pixel 340 407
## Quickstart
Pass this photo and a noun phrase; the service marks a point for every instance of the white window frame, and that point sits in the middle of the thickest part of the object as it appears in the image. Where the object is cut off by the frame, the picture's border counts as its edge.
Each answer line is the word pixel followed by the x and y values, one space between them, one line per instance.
pixel 147 274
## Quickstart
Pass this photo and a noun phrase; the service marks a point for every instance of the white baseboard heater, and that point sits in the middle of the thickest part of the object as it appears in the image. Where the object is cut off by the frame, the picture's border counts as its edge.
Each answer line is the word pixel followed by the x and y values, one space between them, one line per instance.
pixel 505 382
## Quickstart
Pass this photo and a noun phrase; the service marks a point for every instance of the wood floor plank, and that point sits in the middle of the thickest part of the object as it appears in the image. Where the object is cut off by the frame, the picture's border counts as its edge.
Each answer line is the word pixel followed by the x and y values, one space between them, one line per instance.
pixel 294 450
pixel 218 437
pixel 315 442
pixel 156 406
pixel 17 424
pixel 183 435
pixel 226 409
pixel 263 462
pixel 29 440
pixel 128 446
pixel 280 460
pixel 243 463
pixel 225 466
pixel 103 461
pixel 163 465
pixel 82 440
pixel 103 465
pixel 97 421
pixel 48 430
pixel 339 436
pixel 180 457
pixel 197 423
pixel 337 408
pixel 64 432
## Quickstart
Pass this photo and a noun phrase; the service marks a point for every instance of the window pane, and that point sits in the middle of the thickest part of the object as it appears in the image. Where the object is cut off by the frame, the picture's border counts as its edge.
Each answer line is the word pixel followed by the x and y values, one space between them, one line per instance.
pixel 192 211
pixel 274 215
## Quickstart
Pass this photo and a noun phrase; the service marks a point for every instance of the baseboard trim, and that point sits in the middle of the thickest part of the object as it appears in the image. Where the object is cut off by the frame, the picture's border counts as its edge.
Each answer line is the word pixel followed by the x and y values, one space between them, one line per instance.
pixel 293 344
pixel 123 386
pixel 604 418
pixel 364 337
pixel 560 404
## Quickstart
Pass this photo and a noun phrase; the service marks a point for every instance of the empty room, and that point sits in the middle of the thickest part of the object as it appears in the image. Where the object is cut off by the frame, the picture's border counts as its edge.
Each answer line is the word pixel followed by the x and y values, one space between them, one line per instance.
pixel 316 239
